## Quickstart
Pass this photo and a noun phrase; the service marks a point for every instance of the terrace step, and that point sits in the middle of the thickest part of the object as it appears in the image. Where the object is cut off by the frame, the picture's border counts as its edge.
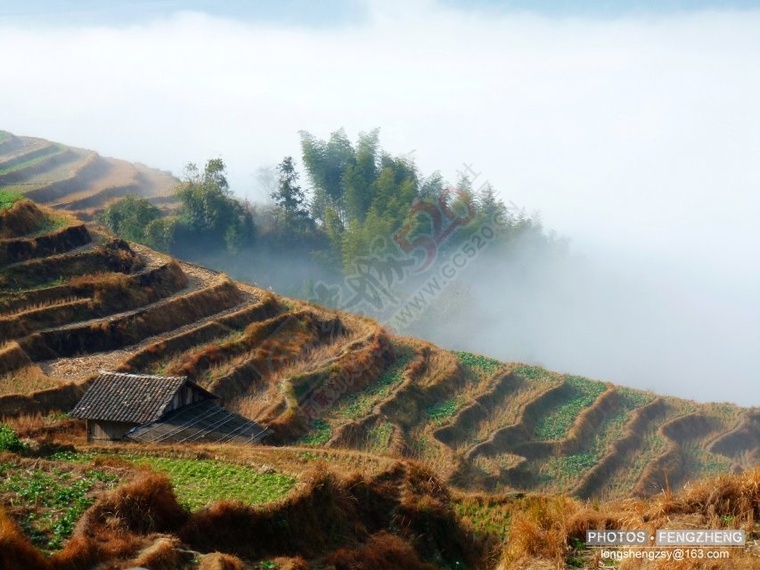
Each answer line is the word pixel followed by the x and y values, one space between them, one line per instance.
pixel 131 327
pixel 8 143
pixel 601 477
pixel 114 178
pixel 513 437
pixel 41 162
pixel 56 242
pixel 33 186
pixel 214 328
pixel 96 256
pixel 500 387
pixel 97 300
pixel 23 149
pixel 668 468
pixel 430 376
pixel 47 187
pixel 742 443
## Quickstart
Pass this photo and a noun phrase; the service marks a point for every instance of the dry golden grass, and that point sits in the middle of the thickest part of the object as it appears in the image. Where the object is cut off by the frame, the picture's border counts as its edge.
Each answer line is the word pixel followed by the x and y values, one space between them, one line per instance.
pixel 12 357
pixel 539 529
pixel 383 551
pixel 545 527
pixel 26 424
pixel 23 218
pixel 163 554
pixel 16 552
pixel 36 307
pixel 25 381
pixel 259 404
pixel 220 561
pixel 317 356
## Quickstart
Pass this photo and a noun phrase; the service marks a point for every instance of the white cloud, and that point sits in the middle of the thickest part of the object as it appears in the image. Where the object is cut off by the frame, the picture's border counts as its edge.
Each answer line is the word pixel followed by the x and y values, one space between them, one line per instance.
pixel 635 137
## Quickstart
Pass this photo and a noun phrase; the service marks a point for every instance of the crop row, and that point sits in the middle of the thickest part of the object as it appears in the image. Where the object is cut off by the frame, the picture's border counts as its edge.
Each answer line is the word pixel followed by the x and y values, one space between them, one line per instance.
pixel 49 501
pixel 54 150
pixel 200 482
pixel 482 365
pixel 555 425
pixel 359 404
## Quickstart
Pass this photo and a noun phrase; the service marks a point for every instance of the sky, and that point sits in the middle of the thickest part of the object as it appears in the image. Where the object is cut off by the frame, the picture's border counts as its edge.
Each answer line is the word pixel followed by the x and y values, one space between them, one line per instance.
pixel 633 128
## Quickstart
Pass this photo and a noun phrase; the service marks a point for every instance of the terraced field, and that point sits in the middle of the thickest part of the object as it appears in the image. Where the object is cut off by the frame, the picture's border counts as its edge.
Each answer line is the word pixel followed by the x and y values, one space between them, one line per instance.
pixel 75 301
pixel 410 440
pixel 75 179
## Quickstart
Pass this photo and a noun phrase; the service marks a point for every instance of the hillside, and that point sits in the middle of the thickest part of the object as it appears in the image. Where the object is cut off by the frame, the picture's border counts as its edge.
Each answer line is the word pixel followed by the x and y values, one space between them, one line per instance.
pixel 74 179
pixel 426 441
pixel 78 301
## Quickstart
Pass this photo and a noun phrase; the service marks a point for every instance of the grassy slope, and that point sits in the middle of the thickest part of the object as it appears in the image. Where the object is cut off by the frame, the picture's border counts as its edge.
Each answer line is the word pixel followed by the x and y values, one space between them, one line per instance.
pixel 478 424
pixel 75 179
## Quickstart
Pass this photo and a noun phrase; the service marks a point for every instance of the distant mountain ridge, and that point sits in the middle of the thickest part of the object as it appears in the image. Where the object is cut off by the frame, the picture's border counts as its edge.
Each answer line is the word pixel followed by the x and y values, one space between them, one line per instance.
pixel 74 179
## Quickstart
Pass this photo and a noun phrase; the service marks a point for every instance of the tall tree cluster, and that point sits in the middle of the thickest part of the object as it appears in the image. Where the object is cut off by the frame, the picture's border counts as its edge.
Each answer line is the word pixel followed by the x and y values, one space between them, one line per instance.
pixel 359 192
pixel 358 201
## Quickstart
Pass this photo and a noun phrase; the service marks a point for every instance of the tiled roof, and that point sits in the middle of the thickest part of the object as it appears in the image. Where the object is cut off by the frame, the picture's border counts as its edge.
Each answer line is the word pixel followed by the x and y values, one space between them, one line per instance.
pixel 205 422
pixel 132 398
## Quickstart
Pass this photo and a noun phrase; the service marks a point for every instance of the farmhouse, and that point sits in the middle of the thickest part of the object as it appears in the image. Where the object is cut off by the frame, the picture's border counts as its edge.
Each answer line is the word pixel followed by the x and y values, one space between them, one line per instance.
pixel 159 409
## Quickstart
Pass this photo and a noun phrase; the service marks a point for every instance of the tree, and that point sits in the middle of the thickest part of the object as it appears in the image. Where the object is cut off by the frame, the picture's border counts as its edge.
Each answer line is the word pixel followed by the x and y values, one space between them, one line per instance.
pixel 209 209
pixel 290 200
pixel 360 192
pixel 489 206
pixel 359 175
pixel 129 217
pixel 159 234
pixel 325 163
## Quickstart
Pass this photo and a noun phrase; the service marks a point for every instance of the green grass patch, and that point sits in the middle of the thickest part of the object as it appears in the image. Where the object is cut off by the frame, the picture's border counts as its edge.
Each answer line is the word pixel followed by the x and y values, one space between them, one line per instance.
pixel 482 364
pixel 634 398
pixel 555 425
pixel 361 403
pixel 9 441
pixel 48 502
pixel 8 198
pixel 700 462
pixel 439 413
pixel 200 482
pixel 319 434
pixel 486 516
pixel 55 149
pixel 613 427
pixel 563 473
pixel 379 437
pixel 534 373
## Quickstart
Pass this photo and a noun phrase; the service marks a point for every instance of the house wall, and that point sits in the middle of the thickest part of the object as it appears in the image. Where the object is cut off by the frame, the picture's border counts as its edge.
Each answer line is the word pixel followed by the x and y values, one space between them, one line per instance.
pixel 184 397
pixel 103 431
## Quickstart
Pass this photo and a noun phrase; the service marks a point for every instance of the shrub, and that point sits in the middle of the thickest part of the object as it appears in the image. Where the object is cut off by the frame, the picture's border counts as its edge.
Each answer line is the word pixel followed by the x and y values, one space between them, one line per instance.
pixel 9 441
pixel 8 198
